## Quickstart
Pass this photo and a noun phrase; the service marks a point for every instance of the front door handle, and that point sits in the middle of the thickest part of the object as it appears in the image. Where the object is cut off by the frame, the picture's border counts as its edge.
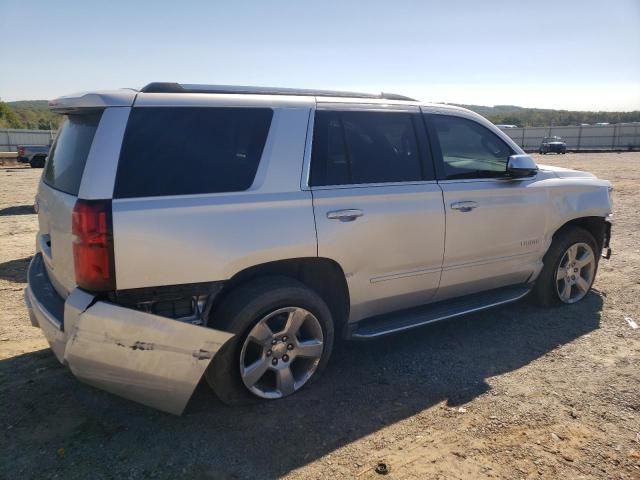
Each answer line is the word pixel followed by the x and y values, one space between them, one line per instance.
pixel 348 215
pixel 464 206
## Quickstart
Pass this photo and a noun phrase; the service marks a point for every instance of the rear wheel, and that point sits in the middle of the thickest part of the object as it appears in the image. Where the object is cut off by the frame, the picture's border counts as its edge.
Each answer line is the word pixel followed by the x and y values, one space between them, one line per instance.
pixel 570 268
pixel 284 337
pixel 37 162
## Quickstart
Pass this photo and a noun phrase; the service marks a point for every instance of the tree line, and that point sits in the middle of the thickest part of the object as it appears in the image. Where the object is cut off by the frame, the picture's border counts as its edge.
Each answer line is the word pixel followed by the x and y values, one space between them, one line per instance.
pixel 30 114
pixel 539 117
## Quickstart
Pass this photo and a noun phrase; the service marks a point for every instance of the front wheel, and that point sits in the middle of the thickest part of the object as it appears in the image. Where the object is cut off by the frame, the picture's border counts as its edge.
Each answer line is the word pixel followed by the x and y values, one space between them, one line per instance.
pixel 569 270
pixel 284 337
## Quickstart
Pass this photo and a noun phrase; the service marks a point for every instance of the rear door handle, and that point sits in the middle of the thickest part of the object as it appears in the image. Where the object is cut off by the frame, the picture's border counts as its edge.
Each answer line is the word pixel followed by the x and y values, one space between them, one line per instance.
pixel 464 206
pixel 348 215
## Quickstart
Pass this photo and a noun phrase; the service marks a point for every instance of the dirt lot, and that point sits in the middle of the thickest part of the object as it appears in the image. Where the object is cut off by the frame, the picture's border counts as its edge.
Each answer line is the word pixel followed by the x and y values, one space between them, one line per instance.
pixel 517 392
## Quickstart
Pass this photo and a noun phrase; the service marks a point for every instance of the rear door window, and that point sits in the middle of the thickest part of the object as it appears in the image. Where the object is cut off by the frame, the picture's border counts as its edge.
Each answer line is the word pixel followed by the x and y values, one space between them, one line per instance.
pixel 68 155
pixel 358 147
pixel 190 150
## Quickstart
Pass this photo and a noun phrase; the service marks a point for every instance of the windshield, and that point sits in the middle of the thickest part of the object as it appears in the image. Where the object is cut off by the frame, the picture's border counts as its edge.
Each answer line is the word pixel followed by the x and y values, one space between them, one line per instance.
pixel 552 139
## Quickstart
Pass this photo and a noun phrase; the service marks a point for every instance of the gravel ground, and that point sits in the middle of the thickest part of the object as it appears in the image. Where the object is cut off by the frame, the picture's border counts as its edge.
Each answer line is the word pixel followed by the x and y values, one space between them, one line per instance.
pixel 516 392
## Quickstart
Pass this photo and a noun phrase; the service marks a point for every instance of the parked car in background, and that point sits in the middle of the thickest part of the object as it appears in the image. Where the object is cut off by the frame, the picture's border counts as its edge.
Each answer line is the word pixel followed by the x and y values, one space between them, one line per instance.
pixel 553 145
pixel 34 155
pixel 273 221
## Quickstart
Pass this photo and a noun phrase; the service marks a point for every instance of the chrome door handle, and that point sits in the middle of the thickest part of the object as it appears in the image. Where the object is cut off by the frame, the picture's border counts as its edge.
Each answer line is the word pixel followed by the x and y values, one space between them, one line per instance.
pixel 345 215
pixel 464 206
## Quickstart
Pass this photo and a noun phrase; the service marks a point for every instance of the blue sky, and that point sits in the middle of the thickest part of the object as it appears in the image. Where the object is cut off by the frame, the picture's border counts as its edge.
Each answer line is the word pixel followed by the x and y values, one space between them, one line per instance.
pixel 575 54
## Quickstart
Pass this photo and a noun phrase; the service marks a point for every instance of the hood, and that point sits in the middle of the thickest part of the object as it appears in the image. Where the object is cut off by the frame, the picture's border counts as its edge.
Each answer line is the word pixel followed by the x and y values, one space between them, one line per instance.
pixel 565 172
pixel 555 143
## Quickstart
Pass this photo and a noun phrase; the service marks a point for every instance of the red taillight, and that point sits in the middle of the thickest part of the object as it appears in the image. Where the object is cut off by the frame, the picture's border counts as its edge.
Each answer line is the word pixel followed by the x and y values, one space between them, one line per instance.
pixel 93 245
pixel 21 152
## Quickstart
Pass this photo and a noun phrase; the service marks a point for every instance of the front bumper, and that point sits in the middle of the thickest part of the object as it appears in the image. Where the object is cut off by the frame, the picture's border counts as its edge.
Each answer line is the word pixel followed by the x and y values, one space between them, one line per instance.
pixel 153 360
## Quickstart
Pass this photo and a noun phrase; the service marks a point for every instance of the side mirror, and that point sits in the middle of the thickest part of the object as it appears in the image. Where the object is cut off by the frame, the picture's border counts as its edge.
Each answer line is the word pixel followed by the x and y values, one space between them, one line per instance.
pixel 521 166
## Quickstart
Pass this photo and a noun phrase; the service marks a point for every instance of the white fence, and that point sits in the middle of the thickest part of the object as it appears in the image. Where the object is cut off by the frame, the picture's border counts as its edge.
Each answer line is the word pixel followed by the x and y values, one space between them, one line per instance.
pixel 11 138
pixel 620 136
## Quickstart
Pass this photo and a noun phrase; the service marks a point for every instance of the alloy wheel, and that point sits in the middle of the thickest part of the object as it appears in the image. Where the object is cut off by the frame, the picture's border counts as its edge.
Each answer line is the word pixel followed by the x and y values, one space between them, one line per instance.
pixel 575 272
pixel 281 352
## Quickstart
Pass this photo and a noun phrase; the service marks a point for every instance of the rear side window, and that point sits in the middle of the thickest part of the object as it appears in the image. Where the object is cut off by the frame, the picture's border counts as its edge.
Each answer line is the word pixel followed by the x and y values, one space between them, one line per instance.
pixel 187 150
pixel 364 147
pixel 69 152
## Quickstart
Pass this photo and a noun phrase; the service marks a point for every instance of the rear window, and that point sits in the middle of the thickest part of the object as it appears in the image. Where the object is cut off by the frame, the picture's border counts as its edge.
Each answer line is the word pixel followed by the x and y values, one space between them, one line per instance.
pixel 69 152
pixel 187 150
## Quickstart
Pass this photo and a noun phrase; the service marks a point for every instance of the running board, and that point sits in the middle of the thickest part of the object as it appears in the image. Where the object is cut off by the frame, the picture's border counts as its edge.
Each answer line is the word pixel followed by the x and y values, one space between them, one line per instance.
pixel 415 317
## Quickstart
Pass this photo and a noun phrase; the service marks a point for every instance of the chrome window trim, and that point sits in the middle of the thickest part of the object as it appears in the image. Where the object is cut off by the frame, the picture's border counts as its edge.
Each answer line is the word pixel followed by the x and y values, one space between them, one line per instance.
pixel 504 179
pixel 372 185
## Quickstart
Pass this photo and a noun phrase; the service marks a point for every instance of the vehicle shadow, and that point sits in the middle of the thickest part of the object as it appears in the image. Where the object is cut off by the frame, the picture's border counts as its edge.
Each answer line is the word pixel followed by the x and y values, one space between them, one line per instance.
pixel 366 387
pixel 17 210
pixel 15 270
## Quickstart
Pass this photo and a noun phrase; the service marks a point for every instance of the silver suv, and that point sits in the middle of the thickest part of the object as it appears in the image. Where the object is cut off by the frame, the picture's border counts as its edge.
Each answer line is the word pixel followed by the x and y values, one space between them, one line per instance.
pixel 235 232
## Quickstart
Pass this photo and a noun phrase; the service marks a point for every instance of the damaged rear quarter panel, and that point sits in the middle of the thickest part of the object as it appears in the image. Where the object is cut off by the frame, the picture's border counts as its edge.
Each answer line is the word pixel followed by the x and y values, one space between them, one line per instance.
pixel 146 358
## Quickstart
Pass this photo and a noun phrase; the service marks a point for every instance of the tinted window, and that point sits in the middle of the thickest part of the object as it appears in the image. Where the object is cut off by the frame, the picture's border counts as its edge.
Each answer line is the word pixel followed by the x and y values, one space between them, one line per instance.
pixel 68 155
pixel 470 150
pixel 181 151
pixel 364 147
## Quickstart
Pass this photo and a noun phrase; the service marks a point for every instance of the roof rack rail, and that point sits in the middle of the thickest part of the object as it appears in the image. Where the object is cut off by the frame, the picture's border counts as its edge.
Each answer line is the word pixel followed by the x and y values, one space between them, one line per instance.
pixel 170 87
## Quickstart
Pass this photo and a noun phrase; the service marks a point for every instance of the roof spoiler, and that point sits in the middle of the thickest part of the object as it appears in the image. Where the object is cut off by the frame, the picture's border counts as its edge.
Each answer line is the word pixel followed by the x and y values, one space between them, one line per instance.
pixel 93 100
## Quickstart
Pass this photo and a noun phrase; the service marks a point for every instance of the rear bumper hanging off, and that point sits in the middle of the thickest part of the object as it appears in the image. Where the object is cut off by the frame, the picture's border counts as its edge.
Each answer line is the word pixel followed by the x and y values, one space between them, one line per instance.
pixel 153 360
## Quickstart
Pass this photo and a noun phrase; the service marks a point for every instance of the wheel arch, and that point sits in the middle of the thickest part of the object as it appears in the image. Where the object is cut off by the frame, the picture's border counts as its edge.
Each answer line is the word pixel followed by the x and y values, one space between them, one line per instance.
pixel 322 275
pixel 595 225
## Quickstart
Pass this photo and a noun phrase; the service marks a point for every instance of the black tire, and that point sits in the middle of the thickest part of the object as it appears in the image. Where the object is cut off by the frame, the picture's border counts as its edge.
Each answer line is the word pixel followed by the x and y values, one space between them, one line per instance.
pixel 240 311
pixel 37 162
pixel 545 292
